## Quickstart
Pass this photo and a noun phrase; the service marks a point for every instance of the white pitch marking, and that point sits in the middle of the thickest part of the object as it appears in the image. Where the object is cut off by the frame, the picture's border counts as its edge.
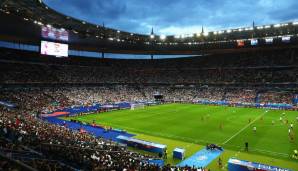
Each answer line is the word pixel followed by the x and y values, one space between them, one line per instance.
pixel 237 133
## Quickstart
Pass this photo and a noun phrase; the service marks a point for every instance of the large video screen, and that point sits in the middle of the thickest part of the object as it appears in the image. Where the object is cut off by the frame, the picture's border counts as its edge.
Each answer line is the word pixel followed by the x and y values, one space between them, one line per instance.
pixel 54 49
pixel 54 34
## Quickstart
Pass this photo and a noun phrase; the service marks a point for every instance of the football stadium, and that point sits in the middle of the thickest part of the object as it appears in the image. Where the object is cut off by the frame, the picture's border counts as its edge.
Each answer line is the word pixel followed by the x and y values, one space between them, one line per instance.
pixel 105 85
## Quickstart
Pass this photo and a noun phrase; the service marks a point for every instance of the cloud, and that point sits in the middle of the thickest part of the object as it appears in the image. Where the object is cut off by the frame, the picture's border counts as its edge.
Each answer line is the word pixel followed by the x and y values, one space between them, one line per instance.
pixel 178 16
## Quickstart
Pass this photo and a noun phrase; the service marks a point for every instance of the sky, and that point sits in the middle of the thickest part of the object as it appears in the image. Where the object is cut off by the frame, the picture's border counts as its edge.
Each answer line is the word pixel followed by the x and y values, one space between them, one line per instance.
pixel 175 17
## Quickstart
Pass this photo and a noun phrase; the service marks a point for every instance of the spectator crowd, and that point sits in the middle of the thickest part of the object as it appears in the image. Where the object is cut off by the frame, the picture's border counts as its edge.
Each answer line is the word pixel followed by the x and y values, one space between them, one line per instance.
pixel 273 67
pixel 36 86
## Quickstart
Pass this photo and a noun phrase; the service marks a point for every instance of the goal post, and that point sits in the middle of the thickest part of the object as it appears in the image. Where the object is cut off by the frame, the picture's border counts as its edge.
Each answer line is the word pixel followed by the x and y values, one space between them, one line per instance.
pixel 137 106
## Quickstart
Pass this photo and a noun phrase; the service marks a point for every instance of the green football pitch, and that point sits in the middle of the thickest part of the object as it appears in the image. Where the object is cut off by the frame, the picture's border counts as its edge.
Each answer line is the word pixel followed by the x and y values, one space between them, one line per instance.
pixel 192 126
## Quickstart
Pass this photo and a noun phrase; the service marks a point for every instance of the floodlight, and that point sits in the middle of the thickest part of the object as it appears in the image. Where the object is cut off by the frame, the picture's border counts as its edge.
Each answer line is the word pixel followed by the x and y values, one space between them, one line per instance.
pixel 260 27
pixel 162 37
pixel 248 28
pixel 152 36
pixel 177 36
pixel 268 26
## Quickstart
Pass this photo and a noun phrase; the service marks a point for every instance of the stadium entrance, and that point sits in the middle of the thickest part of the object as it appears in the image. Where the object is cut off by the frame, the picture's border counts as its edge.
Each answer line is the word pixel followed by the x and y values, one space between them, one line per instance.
pixel 158 98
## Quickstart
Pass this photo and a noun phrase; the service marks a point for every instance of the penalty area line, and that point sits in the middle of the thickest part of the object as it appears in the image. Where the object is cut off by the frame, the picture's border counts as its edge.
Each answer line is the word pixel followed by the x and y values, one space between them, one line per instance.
pixel 237 133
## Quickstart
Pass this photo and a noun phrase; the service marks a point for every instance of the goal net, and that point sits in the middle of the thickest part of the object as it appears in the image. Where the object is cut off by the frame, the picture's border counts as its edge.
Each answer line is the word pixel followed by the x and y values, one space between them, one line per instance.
pixel 137 106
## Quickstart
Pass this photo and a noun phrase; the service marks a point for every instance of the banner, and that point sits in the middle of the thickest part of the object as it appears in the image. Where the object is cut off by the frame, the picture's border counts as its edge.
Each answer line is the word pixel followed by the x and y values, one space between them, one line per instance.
pixel 242 165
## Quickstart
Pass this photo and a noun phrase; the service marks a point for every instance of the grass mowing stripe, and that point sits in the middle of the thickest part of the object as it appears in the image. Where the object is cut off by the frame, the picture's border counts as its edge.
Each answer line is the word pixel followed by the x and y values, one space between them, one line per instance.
pixel 277 154
pixel 186 139
pixel 177 124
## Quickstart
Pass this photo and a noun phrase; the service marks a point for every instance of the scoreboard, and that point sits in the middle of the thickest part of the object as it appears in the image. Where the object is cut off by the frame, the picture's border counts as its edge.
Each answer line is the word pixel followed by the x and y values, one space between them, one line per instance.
pixel 54 49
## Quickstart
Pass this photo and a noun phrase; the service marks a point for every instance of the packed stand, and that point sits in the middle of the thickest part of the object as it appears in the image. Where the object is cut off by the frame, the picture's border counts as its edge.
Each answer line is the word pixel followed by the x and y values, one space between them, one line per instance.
pixel 39 145
pixel 43 146
pixel 270 67
pixel 276 97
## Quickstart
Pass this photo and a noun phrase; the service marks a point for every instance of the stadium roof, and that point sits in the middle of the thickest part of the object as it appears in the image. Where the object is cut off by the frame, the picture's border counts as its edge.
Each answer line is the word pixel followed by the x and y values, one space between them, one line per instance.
pixel 178 17
pixel 91 37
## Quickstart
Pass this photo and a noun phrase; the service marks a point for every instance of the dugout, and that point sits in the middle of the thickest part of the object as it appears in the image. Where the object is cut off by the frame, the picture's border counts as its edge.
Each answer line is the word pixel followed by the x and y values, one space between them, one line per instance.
pixel 142 145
